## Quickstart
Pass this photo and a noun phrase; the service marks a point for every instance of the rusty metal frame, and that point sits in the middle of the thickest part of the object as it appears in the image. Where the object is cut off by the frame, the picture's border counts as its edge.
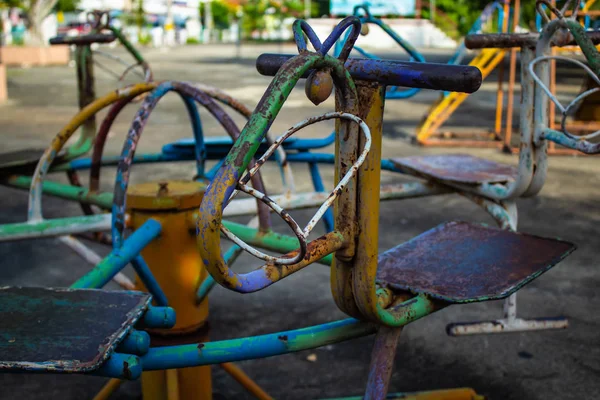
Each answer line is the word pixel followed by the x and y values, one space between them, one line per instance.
pixel 358 164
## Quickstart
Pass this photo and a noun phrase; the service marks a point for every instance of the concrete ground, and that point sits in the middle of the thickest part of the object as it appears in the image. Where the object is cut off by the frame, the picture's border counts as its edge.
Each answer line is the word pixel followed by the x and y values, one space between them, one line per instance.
pixel 533 366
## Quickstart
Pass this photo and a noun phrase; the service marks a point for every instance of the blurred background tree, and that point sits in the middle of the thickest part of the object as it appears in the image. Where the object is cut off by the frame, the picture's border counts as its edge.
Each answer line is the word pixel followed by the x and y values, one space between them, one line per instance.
pixel 66 5
pixel 223 13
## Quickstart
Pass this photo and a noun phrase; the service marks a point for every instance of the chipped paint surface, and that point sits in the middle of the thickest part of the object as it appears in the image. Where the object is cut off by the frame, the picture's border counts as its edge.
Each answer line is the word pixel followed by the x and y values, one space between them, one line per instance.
pixel 255 347
pixel 64 330
pixel 224 183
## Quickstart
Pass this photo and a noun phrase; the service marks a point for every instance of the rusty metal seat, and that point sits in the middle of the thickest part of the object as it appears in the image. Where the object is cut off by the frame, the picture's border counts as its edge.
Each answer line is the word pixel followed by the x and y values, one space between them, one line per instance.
pixel 459 262
pixel 457 168
pixel 64 330
pixel 22 161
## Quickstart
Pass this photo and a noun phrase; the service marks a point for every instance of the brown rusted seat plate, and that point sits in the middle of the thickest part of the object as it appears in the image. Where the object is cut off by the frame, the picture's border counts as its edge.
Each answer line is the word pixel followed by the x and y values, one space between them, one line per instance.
pixel 459 262
pixel 21 161
pixel 460 168
pixel 64 330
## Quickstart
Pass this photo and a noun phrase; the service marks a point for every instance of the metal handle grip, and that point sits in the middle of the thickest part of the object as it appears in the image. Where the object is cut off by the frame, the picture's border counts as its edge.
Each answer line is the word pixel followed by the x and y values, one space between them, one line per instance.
pixel 83 40
pixel 449 78
pixel 511 40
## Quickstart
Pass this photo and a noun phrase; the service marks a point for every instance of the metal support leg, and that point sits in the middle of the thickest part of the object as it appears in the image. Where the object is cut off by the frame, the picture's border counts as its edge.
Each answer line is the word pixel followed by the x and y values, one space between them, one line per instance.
pixel 382 362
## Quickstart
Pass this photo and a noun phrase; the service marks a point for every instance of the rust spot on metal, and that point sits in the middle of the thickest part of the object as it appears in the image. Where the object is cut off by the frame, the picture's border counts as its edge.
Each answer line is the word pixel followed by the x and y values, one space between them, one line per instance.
pixel 460 262
pixel 126 371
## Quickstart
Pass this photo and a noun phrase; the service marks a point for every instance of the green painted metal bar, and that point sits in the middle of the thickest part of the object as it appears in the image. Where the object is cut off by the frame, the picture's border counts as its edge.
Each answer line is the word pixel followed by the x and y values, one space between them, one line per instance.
pixel 55 227
pixel 269 240
pixel 159 358
pixel 64 191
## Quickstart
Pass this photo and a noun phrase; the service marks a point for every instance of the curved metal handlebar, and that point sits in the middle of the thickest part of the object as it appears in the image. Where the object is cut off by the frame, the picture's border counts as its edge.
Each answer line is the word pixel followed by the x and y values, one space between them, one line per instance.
pixel 452 78
pixel 565 110
pixel 83 40
pixel 300 28
pixel 223 185
pixel 301 234
pixel 43 166
pixel 99 19
pixel 538 68
pixel 512 40
pixel 133 137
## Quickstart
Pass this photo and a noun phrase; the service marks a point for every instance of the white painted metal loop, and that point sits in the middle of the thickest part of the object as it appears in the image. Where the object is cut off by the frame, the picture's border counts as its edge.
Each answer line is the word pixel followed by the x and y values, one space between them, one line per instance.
pixel 285 216
pixel 565 110
pixel 301 234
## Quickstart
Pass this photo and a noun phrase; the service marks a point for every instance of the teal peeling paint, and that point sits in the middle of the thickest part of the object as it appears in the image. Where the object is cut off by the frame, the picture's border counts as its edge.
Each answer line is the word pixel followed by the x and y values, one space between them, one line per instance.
pixel 64 191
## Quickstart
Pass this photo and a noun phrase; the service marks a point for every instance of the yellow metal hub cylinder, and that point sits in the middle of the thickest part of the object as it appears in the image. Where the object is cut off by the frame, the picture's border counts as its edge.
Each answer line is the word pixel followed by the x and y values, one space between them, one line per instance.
pixel 176 265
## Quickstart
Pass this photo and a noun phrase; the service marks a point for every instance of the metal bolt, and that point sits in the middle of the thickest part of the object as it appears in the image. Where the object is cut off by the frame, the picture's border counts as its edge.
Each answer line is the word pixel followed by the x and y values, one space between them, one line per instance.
pixel 318 86
pixel 163 188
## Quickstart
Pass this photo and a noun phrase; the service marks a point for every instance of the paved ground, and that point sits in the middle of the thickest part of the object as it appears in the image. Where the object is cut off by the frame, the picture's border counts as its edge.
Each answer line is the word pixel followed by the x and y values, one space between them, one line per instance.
pixel 563 365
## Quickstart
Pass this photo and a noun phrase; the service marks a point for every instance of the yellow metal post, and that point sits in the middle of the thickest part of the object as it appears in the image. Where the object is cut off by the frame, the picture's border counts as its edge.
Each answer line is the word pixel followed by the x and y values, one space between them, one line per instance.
pixel 108 389
pixel 243 379
pixel 447 394
pixel 372 100
pixel 500 92
pixel 511 80
pixel 176 265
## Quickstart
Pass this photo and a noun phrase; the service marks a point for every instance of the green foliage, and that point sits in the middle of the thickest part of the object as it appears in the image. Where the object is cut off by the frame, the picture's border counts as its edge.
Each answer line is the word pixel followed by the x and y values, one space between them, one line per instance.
pixel 66 5
pixel 255 11
pixel 12 3
pixel 192 40
pixel 144 39
pixel 140 19
pixel 222 14
pixel 320 8
pixel 253 19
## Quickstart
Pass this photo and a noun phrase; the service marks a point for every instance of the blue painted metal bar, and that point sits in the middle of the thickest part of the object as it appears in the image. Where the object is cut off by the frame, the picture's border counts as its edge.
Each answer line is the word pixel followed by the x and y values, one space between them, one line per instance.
pixel 136 342
pixel 303 157
pixel 121 366
pixel 209 283
pixel 159 318
pixel 254 347
pixel 102 273
pixel 86 163
pixel 199 146
pixel 143 271
pixel 477 27
pixel 319 187
pixel 453 78
pixel 572 143
pixel 184 150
